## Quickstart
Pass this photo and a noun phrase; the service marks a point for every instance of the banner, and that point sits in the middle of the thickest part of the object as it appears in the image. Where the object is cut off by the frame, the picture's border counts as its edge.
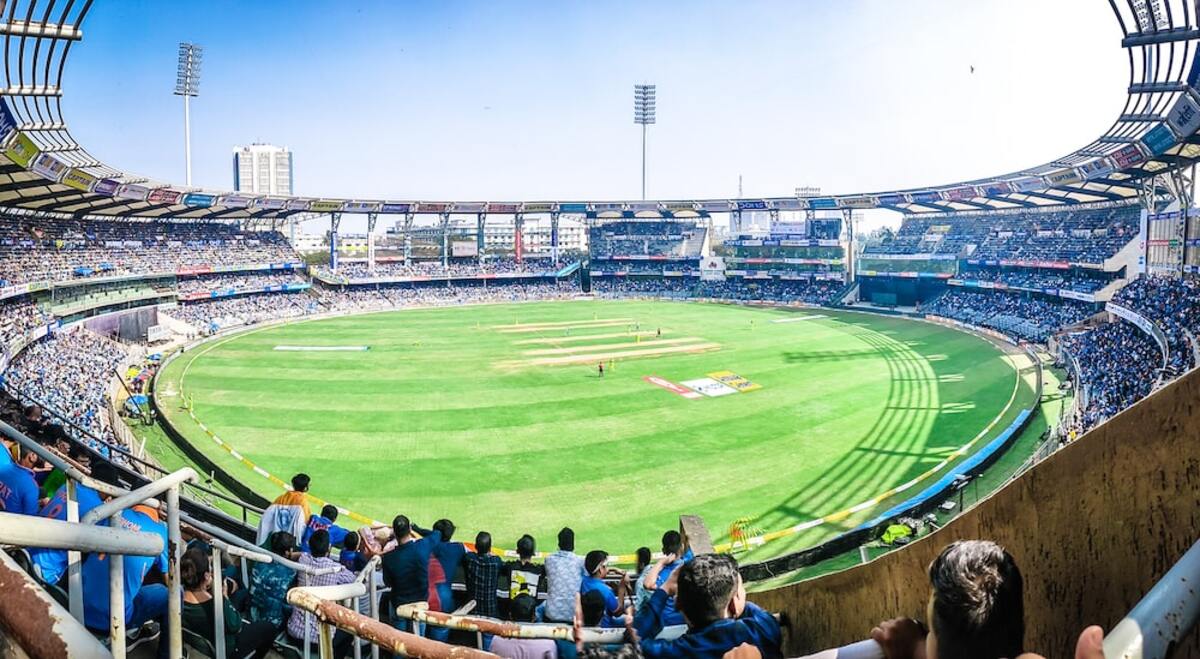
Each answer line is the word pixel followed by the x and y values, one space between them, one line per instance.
pixel 607 207
pixel 198 200
pixel 107 187
pixel 296 204
pixel 997 189
pixel 79 180
pixel 715 206
pixel 464 249
pixel 891 199
pixel 712 268
pixel 8 124
pixel 49 167
pixel 1063 177
pixel 675 206
pixel 955 194
pixel 572 208
pixel 497 207
pixel 858 202
pixel 1184 118
pixel 1028 184
pixel 361 207
pixel 235 201
pixel 469 207
pixel 270 203
pixel 324 206
pixel 1159 139
pixel 1128 156
pixel 1075 295
pixel 534 207
pixel 393 208
pixel 22 150
pixel 822 203
pixel 924 197
pixel 1098 168
pixel 163 196
pixel 133 191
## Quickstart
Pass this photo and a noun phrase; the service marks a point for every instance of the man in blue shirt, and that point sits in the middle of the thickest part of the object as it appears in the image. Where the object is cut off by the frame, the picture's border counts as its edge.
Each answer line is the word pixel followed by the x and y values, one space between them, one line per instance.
pixel 324 521
pixel 406 568
pixel 142 602
pixel 675 554
pixel 712 598
pixel 595 566
pixel 18 489
pixel 52 563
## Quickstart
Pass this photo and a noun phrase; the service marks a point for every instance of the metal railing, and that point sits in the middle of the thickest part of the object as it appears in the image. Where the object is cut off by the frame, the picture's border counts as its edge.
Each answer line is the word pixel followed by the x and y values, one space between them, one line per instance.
pixel 1163 617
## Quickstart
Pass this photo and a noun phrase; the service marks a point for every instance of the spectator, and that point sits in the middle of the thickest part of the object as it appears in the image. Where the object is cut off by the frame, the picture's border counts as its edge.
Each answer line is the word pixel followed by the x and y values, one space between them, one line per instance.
pixel 143 603
pixel 523 576
pixel 198 616
pixel 712 598
pixel 302 624
pixel 595 567
pixel 522 610
pixel 444 561
pixel 269 582
pixel 564 573
pixel 288 512
pixel 324 521
pixel 640 594
pixel 406 568
pixel 675 554
pixel 350 557
pixel 51 564
pixel 483 576
pixel 18 489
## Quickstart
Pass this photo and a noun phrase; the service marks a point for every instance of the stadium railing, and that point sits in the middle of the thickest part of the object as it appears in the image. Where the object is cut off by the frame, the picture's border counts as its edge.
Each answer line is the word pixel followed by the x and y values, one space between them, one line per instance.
pixel 1154 627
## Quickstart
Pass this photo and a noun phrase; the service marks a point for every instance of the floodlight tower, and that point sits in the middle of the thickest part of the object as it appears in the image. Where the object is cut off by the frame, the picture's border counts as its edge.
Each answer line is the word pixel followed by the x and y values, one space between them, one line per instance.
pixel 187 85
pixel 643 115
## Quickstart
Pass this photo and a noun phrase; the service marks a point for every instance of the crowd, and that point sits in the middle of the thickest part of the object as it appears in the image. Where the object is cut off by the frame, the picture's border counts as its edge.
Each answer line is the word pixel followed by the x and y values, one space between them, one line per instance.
pixel 18 317
pixel 68 373
pixel 41 249
pixel 435 269
pixel 216 314
pixel 1174 306
pixel 814 291
pixel 244 281
pixel 1024 316
pixel 616 287
pixel 1080 281
pixel 1074 236
pixel 654 239
pixel 1118 365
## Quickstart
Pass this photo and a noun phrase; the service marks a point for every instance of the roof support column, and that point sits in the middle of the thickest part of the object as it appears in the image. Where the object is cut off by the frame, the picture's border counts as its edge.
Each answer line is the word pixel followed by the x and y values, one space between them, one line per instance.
pixel 371 219
pixel 519 237
pixel 735 223
pixel 445 223
pixel 335 221
pixel 554 237
pixel 408 222
pixel 774 215
pixel 480 220
pixel 851 261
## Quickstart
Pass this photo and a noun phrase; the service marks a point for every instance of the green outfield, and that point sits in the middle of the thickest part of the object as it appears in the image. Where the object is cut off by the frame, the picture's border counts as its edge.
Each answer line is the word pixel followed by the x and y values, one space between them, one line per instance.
pixel 496 416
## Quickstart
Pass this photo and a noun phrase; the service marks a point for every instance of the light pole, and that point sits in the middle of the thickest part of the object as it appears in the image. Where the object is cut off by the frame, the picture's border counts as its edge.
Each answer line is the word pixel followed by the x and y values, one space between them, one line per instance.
pixel 187 85
pixel 643 115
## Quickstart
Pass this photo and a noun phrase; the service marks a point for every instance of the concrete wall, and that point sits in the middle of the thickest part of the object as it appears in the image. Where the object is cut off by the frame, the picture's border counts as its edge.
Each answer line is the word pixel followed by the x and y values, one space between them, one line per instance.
pixel 1092 528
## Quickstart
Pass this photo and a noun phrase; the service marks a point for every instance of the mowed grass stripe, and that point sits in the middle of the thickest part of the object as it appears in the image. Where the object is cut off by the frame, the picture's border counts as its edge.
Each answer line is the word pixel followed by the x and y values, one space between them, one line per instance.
pixel 603 347
pixel 619 471
pixel 574 338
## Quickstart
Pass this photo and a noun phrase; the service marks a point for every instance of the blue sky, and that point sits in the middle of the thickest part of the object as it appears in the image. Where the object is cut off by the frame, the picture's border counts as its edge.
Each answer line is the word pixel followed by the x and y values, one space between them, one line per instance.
pixel 529 100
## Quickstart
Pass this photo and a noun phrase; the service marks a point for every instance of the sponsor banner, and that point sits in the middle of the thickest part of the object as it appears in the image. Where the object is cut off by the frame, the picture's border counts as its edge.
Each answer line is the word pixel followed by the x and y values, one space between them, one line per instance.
pixel 670 386
pixel 107 187
pixel 788 204
pixel 235 201
pixel 822 203
pixel 955 194
pixel 1159 139
pixel 432 207
pixel 731 379
pixel 534 207
pixel 607 207
pixel 163 196
pixel 1075 295
pixel 324 206
pixel 1028 184
pixel 752 205
pixel 8 124
pixel 996 189
pixel 49 167
pixel 712 268
pixel 891 199
pixel 715 206
pixel 395 208
pixel 709 387
pixel 924 197
pixel 133 191
pixel 1066 176
pixel 641 206
pixel 1133 317
pixel 680 206
pixel 13 291
pixel 1184 118
pixel 572 208
pixel 497 207
pixel 296 204
pixel 858 202
pixel 361 207
pixel 79 179
pixel 1128 156
pixel 270 203
pixel 464 248
pixel 199 200
pixel 1060 265
pixel 1098 168
pixel 469 207
pixel 194 270
pixel 22 150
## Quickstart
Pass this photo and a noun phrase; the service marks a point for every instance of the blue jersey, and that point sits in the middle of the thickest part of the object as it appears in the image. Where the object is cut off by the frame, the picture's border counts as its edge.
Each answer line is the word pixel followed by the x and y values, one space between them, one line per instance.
pixel 52 563
pixel 317 523
pixel 18 490
pixel 95 568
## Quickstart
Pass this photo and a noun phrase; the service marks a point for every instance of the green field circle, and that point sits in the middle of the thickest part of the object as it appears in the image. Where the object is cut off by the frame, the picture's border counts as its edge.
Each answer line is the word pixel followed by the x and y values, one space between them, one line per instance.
pixel 439 417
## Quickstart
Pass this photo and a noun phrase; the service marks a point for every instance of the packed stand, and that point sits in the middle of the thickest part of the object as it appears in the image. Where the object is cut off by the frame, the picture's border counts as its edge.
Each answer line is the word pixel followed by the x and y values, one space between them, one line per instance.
pixel 618 287
pixel 491 293
pixel 1071 280
pixel 773 290
pixel 213 315
pixel 1073 236
pixel 1174 306
pixel 352 299
pixel 920 235
pixel 42 249
pixel 68 374
pixel 18 318
pixel 1025 316
pixel 669 240
pixel 435 269
pixel 1119 365
pixel 250 281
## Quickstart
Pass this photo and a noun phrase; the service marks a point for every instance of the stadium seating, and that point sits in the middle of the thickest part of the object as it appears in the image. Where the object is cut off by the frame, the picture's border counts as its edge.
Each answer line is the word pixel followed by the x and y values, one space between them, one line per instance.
pixel 1017 314
pixel 658 240
pixel 1119 366
pixel 351 272
pixel 1079 281
pixel 1174 306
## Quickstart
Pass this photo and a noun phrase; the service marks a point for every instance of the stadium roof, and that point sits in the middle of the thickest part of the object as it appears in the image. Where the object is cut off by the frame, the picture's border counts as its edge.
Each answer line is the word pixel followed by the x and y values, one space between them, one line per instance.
pixel 1145 152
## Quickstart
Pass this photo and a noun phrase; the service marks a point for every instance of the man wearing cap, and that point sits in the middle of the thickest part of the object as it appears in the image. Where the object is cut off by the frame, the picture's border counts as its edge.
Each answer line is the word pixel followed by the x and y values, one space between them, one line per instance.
pixel 595 566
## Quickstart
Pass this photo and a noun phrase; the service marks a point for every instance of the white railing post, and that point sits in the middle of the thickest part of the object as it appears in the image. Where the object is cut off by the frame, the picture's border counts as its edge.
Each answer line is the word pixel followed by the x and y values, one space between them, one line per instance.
pixel 218 604
pixel 372 567
pixel 116 597
pixel 74 558
pixel 174 591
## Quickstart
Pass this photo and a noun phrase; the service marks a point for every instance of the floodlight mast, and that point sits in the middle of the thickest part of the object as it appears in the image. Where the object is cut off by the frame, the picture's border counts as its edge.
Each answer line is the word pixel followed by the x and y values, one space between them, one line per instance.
pixel 644 115
pixel 187 85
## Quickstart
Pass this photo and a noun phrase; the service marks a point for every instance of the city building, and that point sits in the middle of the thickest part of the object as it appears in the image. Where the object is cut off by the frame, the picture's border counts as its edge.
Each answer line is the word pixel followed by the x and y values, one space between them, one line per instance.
pixel 262 169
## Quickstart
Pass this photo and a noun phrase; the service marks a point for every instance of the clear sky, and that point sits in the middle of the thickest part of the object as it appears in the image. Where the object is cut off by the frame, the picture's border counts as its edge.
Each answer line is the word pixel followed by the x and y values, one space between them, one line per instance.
pixel 516 100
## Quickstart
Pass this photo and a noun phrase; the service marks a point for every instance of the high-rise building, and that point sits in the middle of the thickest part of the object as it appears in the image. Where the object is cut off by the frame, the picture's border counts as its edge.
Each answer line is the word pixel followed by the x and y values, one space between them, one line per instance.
pixel 262 169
